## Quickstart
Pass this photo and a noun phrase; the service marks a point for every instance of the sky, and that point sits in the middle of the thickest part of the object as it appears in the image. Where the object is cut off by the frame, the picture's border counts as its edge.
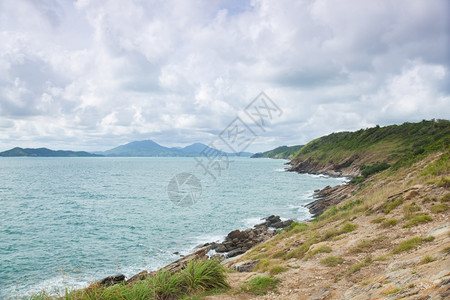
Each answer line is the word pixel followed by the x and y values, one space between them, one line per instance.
pixel 92 75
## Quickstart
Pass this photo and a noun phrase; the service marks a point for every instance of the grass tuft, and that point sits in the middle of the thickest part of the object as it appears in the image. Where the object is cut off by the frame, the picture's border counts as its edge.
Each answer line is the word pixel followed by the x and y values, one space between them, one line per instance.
pixel 260 285
pixel 323 249
pixel 277 270
pixel 389 223
pixel 427 259
pixel 417 219
pixel 411 244
pixel 332 261
pixel 439 208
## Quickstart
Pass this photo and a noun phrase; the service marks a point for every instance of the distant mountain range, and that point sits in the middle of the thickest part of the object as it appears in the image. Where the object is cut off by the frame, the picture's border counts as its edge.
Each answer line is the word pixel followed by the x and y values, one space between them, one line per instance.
pixel 152 149
pixel 147 148
pixel 285 152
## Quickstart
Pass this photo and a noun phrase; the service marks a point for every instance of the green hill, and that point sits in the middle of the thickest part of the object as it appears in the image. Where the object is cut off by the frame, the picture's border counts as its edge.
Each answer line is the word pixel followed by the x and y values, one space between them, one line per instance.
pixel 377 148
pixel 284 152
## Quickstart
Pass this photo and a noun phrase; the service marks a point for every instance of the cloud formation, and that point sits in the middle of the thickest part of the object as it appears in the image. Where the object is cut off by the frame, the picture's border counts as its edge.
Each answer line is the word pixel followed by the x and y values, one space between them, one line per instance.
pixel 92 74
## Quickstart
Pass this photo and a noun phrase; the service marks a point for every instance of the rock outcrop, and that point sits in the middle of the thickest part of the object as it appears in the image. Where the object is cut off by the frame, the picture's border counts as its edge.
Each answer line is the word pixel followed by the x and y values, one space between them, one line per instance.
pixel 238 242
pixel 112 280
pixel 345 168
pixel 329 196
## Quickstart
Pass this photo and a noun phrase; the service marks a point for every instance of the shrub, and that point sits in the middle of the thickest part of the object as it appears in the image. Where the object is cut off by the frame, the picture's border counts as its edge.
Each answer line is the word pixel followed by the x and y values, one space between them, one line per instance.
pixel 357 180
pixel 204 275
pixel 260 285
pixel 332 261
pixel 375 168
pixel 416 220
pixel 296 227
pixel 167 285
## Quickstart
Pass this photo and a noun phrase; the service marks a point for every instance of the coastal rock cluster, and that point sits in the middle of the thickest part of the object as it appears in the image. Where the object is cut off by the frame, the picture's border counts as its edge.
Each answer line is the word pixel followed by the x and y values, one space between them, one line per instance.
pixel 344 168
pixel 329 196
pixel 238 242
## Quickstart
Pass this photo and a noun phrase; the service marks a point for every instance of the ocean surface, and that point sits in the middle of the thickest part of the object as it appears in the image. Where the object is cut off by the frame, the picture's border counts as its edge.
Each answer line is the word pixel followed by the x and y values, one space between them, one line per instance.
pixel 65 222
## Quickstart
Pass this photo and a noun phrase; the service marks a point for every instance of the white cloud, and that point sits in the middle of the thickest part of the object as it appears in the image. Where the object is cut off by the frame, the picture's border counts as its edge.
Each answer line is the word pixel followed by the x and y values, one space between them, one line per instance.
pixel 93 74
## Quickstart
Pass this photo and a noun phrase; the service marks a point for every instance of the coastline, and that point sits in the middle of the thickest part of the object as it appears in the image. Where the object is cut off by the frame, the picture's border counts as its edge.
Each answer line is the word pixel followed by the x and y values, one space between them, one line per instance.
pixel 238 242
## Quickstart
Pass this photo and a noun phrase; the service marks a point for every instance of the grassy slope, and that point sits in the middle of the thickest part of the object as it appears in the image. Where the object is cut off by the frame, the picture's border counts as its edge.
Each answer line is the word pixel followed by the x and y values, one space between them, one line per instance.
pixel 398 145
pixel 284 152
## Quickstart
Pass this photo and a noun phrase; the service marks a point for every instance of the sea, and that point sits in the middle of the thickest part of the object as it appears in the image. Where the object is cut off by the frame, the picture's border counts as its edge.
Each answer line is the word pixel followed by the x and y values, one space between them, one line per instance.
pixel 65 222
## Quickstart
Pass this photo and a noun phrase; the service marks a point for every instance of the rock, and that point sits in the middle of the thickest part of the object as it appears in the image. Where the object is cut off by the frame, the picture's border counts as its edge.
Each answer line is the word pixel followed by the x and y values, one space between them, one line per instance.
pixel 182 262
pixel 329 196
pixel 139 276
pixel 237 234
pixel 221 248
pixel 112 280
pixel 282 224
pixel 245 266
pixel 235 252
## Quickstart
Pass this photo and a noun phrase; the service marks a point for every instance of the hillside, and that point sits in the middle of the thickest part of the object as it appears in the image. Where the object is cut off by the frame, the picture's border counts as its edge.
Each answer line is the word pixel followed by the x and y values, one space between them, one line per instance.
pixel 282 152
pixel 44 152
pixel 349 153
pixel 386 238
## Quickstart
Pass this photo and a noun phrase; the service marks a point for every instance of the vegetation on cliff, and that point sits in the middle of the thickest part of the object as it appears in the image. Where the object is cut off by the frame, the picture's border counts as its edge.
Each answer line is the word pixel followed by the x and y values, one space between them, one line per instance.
pixel 367 151
pixel 283 152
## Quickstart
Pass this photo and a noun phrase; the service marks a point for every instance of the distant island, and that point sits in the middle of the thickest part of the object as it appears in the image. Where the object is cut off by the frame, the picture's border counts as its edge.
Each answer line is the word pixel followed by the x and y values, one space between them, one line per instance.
pixel 147 148
pixel 44 152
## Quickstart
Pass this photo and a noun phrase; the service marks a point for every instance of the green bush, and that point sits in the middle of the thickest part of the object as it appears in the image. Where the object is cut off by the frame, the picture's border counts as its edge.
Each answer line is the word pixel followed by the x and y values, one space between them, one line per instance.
pixel 375 168
pixel 204 275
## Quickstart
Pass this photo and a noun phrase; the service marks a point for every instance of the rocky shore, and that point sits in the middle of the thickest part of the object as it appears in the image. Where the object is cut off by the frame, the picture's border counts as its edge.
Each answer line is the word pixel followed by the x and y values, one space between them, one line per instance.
pixel 237 242
pixel 328 196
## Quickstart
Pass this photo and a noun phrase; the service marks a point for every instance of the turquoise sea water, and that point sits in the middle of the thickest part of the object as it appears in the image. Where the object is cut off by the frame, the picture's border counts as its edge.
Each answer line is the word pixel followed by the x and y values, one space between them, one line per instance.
pixel 67 221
